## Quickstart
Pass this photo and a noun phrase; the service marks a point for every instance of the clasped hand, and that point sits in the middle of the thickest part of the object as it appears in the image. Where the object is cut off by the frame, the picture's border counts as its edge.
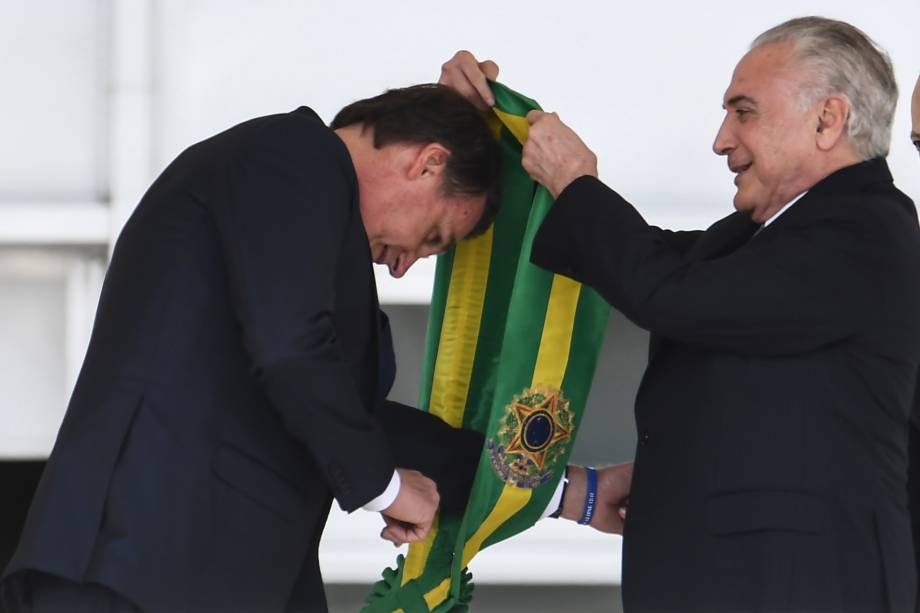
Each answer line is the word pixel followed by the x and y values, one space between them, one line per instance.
pixel 410 517
pixel 553 155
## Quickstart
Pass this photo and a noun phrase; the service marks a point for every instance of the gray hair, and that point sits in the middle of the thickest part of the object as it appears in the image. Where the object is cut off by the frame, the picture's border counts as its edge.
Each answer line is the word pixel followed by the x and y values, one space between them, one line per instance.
pixel 846 62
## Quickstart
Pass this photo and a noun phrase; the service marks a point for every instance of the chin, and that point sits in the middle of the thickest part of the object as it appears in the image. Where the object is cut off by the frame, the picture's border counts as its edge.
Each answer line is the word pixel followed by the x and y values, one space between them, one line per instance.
pixel 744 205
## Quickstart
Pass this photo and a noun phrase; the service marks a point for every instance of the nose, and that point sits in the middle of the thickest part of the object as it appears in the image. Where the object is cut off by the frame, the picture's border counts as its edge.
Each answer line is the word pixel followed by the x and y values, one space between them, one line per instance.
pixel 725 141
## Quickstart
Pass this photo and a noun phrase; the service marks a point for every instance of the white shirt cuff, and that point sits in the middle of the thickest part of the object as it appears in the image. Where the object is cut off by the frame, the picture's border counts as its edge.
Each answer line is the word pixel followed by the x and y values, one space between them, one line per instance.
pixel 385 499
pixel 555 501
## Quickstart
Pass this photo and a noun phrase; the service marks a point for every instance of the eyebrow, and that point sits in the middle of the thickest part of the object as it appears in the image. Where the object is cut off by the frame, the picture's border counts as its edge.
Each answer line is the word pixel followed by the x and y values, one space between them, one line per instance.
pixel 914 135
pixel 735 100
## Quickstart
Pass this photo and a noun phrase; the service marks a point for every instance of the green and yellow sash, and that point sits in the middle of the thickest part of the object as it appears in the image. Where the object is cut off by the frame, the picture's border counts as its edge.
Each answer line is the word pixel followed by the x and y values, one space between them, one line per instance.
pixel 510 352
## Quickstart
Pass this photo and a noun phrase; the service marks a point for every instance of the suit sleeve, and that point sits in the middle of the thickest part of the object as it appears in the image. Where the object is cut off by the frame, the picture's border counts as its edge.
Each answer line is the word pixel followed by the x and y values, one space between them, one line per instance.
pixel 423 442
pixel 680 241
pixel 812 289
pixel 289 202
pixel 447 455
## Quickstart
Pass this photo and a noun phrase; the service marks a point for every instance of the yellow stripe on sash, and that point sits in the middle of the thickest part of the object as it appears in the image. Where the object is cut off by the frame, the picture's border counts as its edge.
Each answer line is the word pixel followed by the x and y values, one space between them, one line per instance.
pixel 438 595
pixel 460 329
pixel 552 360
pixel 456 352
pixel 418 554
pixel 516 124
pixel 512 500
pixel 553 355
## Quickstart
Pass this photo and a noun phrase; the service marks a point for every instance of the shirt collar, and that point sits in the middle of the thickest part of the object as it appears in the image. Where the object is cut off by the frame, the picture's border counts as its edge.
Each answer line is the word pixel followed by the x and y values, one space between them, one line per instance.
pixel 784 209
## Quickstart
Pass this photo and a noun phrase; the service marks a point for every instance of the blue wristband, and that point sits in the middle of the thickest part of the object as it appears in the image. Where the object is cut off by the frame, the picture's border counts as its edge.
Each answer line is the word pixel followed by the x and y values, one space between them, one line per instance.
pixel 590 496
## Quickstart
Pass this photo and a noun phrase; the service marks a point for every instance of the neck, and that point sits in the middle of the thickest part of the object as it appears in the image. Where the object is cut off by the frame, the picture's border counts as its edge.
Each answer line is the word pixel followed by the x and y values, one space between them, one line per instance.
pixel 356 140
pixel 823 167
pixel 831 165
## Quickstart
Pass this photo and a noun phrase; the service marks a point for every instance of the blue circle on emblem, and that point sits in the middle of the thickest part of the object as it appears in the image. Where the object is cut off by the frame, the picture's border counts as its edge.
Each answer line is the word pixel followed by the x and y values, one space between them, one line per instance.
pixel 537 431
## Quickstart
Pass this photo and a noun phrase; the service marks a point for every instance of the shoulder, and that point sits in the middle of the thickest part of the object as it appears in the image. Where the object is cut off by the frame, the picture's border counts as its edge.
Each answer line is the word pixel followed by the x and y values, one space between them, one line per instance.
pixel 872 227
pixel 881 213
pixel 871 209
pixel 300 151
pixel 300 133
pixel 285 142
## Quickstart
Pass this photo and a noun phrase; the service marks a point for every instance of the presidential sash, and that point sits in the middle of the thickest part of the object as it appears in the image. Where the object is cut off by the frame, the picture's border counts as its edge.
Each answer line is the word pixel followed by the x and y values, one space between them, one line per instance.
pixel 510 352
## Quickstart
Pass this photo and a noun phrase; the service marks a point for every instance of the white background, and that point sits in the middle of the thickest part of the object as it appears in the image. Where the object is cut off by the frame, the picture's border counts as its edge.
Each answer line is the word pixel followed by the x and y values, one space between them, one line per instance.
pixel 99 95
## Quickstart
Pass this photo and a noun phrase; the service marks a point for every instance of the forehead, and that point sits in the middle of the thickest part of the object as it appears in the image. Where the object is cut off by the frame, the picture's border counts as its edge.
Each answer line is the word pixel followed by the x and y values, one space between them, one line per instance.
pixel 763 72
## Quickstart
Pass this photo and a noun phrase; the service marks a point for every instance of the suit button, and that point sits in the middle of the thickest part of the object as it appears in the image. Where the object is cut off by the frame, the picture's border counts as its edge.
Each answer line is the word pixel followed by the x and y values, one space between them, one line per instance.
pixel 643 438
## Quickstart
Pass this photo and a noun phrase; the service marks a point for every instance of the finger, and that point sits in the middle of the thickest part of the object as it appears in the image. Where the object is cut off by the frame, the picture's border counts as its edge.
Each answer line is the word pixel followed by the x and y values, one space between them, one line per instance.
pixel 489 68
pixel 534 116
pixel 527 158
pixel 395 534
pixel 418 532
pixel 477 80
pixel 387 535
pixel 456 63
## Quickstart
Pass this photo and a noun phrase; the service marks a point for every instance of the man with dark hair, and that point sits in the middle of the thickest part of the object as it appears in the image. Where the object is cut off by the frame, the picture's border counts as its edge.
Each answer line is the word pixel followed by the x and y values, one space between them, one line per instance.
pixel 236 375
pixel 408 118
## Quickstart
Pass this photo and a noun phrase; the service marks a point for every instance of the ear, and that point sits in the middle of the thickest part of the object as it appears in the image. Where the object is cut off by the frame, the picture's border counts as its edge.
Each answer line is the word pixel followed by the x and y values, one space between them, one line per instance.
pixel 430 161
pixel 832 121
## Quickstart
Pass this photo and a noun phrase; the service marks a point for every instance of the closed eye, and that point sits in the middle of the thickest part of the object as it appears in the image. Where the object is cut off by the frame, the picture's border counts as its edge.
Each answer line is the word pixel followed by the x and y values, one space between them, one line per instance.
pixel 917 144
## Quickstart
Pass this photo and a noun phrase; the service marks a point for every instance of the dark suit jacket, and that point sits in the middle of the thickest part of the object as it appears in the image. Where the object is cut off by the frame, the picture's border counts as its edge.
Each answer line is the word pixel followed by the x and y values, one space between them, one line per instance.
pixel 231 386
pixel 773 417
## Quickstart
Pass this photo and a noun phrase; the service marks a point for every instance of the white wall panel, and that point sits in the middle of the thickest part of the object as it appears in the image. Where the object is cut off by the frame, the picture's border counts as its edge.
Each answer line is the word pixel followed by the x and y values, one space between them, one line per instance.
pixel 47 303
pixel 33 369
pixel 642 82
pixel 53 104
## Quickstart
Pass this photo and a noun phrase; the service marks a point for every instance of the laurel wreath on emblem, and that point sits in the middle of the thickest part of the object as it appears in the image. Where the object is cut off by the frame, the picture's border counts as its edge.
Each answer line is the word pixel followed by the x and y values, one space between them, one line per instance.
pixel 534 433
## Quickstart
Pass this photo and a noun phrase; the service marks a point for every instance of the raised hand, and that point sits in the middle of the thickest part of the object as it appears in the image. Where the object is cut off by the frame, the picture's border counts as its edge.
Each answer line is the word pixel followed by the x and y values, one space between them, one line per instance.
pixel 409 517
pixel 554 155
pixel 467 75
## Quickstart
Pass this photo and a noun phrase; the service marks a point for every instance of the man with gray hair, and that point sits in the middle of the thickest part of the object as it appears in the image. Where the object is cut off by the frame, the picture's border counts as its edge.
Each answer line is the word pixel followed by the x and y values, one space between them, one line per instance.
pixel 771 470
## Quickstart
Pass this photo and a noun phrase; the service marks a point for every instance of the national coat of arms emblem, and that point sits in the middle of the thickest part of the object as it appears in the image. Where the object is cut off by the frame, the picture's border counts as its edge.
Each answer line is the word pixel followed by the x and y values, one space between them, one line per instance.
pixel 534 433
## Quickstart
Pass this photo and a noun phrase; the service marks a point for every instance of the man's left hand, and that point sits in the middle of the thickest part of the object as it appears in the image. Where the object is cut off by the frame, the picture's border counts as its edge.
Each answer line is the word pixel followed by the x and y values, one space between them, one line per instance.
pixel 554 155
pixel 613 484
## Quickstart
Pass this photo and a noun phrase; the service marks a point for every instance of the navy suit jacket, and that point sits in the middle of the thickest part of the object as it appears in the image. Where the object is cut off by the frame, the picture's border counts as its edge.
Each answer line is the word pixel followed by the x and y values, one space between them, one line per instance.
pixel 233 385
pixel 773 416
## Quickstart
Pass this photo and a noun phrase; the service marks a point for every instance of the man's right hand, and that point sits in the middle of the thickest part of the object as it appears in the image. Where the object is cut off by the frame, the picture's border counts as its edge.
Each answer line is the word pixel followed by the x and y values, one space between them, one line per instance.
pixel 409 517
pixel 468 76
